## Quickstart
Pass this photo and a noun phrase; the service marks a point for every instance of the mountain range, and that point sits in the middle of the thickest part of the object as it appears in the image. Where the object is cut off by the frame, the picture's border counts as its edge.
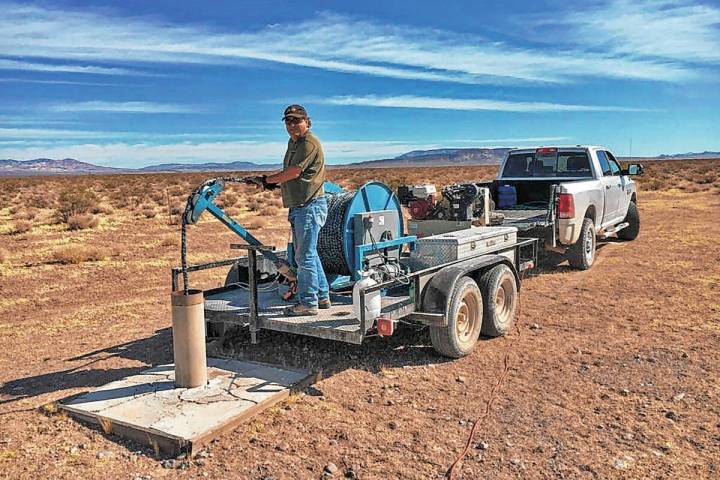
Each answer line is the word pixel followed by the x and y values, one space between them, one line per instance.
pixel 438 157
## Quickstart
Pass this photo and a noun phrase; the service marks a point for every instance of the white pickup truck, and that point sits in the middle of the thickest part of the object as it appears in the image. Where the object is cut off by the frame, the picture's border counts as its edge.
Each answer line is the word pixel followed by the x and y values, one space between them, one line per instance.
pixel 567 196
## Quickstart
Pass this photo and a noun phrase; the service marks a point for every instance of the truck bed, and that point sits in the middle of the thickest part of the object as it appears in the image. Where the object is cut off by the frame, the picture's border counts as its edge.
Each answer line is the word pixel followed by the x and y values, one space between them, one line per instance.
pixel 524 219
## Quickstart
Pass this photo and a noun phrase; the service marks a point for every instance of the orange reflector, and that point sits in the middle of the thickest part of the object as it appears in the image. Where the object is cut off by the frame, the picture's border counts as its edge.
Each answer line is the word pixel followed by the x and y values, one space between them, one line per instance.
pixel 385 327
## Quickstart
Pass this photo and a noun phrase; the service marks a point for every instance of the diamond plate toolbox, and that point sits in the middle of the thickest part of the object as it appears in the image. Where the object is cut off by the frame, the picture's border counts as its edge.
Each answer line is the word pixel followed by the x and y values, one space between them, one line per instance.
pixel 448 247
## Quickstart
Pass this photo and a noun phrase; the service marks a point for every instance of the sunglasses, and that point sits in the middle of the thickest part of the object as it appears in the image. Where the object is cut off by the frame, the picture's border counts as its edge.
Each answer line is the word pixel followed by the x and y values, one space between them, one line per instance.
pixel 293 120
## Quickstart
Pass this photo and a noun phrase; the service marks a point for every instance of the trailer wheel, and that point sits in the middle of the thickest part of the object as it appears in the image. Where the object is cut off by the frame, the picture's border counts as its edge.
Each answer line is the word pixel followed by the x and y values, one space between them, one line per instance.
pixel 582 254
pixel 633 218
pixel 500 298
pixel 464 313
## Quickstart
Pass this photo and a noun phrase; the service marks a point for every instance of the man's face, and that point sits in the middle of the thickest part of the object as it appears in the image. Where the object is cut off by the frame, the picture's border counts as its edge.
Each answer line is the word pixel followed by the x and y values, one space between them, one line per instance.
pixel 296 127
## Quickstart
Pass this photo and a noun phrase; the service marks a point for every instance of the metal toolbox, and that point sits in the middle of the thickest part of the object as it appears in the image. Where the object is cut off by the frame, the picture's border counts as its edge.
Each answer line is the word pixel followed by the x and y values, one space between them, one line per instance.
pixel 448 247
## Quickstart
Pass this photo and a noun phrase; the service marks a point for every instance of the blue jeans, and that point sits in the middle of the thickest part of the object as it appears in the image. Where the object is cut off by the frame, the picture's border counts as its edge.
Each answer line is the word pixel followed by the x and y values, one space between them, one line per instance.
pixel 306 222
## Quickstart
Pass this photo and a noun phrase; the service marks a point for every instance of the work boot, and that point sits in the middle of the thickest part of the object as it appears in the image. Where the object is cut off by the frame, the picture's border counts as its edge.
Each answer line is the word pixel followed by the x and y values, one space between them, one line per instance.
pixel 324 304
pixel 300 310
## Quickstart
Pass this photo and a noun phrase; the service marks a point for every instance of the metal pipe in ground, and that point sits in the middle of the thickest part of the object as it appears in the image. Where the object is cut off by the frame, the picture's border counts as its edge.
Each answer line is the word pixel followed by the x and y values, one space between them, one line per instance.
pixel 188 321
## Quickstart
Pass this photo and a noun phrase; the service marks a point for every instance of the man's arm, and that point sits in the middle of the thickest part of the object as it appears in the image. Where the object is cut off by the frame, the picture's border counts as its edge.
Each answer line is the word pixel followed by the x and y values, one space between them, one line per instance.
pixel 290 173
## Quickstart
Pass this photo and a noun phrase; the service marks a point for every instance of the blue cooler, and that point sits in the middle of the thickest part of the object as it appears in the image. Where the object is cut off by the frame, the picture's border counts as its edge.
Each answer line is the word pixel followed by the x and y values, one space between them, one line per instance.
pixel 507 196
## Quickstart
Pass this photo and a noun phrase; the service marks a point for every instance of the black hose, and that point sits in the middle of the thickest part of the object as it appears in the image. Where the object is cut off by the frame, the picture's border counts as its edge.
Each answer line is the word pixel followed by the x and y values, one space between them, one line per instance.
pixel 332 235
pixel 186 213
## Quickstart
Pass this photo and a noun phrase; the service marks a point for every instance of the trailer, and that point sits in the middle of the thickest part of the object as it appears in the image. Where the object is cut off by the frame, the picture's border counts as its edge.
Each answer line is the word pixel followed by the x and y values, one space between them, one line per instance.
pixel 460 284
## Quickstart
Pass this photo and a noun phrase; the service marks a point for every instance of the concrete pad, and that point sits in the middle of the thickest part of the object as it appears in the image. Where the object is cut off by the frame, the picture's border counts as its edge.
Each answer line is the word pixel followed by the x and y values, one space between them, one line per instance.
pixel 149 408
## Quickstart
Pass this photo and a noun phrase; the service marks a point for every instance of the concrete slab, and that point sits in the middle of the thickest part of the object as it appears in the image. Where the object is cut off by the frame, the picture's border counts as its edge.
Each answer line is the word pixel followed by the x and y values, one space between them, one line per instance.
pixel 149 408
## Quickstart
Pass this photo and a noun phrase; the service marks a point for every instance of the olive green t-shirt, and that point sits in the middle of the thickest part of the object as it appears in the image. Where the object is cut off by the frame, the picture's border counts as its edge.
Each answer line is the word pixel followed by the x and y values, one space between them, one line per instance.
pixel 307 154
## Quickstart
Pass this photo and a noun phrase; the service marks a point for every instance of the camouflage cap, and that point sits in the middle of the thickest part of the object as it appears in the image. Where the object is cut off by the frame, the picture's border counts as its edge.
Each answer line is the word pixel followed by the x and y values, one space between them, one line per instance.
pixel 297 111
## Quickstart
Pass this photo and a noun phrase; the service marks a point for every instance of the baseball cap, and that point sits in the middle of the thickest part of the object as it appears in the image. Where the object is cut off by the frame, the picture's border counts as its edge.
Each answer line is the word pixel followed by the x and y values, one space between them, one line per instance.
pixel 296 111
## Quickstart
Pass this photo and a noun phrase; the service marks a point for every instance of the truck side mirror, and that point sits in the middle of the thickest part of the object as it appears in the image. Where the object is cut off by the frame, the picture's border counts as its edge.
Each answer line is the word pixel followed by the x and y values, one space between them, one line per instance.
pixel 634 169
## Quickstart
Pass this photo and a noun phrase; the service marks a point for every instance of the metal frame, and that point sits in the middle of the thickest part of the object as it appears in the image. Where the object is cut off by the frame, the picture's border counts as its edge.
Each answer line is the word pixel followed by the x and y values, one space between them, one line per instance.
pixel 360 251
pixel 409 308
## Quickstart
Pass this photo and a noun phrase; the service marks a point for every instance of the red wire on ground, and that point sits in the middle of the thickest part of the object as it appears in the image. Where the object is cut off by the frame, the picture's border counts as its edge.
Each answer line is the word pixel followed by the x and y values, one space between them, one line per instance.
pixel 493 393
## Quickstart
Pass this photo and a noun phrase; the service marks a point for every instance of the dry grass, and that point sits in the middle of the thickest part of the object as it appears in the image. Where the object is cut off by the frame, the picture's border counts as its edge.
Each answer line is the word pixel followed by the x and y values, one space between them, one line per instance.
pixel 256 222
pixel 103 209
pixel 75 254
pixel 169 241
pixel 148 212
pixel 4 255
pixel 75 201
pixel 270 211
pixel 22 226
pixel 82 221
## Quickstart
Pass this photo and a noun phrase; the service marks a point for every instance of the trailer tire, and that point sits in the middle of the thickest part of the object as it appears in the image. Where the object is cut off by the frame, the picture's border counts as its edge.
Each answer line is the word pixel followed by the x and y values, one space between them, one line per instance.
pixel 633 218
pixel 581 254
pixel 500 299
pixel 465 311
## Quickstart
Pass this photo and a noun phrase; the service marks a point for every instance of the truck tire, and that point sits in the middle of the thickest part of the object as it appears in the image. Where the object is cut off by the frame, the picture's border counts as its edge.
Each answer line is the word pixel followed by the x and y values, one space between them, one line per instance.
pixel 500 298
pixel 581 254
pixel 465 312
pixel 633 218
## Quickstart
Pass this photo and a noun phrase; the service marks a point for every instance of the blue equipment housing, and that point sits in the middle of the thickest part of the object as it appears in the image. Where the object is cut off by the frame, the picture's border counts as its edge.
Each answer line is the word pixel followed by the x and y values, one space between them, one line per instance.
pixel 371 197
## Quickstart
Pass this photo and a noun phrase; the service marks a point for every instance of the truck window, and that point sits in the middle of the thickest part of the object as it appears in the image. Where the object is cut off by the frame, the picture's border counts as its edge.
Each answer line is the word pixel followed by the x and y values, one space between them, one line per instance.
pixel 614 167
pixel 564 164
pixel 518 165
pixel 604 163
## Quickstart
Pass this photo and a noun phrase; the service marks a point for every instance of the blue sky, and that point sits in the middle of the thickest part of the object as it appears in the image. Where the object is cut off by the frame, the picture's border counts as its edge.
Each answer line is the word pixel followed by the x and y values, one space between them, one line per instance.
pixel 131 83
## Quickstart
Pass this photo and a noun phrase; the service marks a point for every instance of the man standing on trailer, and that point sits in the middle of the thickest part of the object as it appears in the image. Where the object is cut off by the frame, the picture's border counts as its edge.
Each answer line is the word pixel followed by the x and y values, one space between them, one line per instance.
pixel 301 183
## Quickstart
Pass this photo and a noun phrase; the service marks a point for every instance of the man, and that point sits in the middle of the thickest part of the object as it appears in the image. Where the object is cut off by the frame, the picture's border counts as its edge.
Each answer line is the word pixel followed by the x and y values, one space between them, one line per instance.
pixel 301 182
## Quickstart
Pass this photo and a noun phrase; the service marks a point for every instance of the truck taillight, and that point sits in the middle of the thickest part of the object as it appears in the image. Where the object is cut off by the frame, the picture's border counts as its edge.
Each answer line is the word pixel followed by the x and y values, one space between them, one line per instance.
pixel 566 207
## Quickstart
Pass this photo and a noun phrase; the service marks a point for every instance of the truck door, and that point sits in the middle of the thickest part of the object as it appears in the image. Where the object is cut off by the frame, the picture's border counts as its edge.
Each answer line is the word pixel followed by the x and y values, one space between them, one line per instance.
pixel 625 186
pixel 612 189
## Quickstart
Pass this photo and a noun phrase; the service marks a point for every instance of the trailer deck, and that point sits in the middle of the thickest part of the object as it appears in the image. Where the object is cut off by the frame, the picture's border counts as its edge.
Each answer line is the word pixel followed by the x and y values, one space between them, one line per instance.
pixel 232 307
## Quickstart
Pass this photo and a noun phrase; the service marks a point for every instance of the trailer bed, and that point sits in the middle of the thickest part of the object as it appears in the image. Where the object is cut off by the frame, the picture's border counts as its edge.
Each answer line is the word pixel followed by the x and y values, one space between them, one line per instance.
pixel 232 306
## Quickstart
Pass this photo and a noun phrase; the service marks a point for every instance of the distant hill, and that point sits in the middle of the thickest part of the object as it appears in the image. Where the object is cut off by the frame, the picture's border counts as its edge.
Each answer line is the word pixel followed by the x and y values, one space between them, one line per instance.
pixel 417 158
pixel 207 167
pixel 47 166
pixel 439 157
pixel 689 156
pixel 69 166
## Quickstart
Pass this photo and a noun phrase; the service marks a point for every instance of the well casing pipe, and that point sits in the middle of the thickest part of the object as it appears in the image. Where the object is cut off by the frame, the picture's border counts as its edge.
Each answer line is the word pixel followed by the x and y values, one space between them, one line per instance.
pixel 188 324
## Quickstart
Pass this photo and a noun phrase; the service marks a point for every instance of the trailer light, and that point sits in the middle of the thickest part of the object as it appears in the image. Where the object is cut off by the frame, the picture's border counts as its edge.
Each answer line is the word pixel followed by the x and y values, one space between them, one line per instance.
pixel 547 150
pixel 385 327
pixel 566 206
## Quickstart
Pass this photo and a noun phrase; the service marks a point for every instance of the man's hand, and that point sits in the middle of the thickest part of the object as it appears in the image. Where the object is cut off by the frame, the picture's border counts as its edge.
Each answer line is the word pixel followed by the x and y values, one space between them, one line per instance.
pixel 266 185
pixel 261 181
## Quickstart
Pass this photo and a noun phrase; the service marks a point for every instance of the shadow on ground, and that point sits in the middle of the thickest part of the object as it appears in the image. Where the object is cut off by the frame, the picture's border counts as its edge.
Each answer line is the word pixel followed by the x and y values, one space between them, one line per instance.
pixel 153 350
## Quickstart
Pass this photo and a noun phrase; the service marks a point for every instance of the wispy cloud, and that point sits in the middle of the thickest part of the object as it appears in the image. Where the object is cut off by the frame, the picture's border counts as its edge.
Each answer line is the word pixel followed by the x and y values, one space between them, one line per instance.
pixel 410 101
pixel 329 42
pixel 677 30
pixel 124 107
pixel 6 64
pixel 58 82
pixel 49 133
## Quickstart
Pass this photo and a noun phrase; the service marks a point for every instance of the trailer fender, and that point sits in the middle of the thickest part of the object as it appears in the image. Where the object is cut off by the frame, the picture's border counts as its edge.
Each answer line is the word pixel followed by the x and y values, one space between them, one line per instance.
pixel 435 295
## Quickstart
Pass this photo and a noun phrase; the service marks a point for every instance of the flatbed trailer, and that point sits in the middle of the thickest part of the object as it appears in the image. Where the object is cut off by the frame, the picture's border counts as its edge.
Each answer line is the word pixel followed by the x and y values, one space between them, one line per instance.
pixel 440 297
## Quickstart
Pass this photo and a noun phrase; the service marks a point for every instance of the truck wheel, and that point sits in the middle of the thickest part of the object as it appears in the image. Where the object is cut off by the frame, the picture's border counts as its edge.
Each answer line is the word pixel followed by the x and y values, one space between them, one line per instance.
pixel 464 314
pixel 633 218
pixel 499 293
pixel 582 254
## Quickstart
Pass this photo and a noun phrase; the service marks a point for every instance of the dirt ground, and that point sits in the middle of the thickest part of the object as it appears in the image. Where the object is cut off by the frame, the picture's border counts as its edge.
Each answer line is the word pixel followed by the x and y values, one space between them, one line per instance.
pixel 613 371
